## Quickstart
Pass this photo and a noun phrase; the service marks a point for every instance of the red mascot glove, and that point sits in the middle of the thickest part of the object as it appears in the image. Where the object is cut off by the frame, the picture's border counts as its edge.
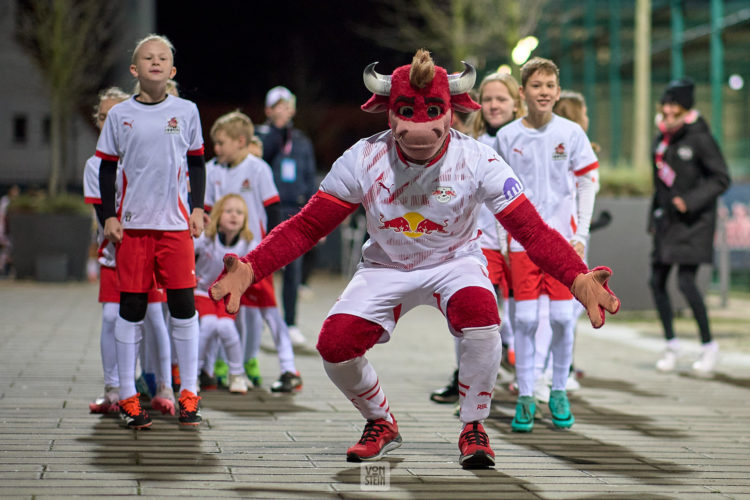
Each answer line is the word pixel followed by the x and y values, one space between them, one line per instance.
pixel 236 277
pixel 591 290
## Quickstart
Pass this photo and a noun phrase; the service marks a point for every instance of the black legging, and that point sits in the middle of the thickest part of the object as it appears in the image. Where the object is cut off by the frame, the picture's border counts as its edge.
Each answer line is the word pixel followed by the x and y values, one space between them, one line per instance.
pixel 686 283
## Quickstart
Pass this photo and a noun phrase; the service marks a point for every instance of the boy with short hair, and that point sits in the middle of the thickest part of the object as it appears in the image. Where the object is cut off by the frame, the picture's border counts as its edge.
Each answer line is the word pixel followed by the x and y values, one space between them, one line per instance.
pixel 554 160
pixel 242 173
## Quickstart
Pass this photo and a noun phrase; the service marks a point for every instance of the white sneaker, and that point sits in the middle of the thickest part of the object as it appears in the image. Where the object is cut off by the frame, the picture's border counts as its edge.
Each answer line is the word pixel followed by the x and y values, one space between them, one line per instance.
pixel 238 383
pixel 572 383
pixel 668 362
pixel 164 400
pixel 541 390
pixel 708 359
pixel 295 335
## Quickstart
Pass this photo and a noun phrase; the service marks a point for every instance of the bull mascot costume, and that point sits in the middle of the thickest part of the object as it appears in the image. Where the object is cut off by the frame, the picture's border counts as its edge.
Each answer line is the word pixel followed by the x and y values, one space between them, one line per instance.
pixel 421 184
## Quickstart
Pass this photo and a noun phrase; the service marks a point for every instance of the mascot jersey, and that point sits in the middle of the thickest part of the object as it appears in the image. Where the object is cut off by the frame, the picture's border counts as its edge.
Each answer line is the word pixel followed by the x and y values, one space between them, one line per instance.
pixel 422 215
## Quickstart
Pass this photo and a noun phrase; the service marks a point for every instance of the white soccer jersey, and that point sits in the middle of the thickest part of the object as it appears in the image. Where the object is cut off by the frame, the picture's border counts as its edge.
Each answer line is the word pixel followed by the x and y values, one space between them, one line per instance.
pixel 421 215
pixel 209 255
pixel 153 141
pixel 548 160
pixel 92 195
pixel 253 180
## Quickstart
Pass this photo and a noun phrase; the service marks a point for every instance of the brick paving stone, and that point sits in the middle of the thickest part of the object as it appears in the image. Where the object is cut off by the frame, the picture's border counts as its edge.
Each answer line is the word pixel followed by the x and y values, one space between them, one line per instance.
pixel 638 434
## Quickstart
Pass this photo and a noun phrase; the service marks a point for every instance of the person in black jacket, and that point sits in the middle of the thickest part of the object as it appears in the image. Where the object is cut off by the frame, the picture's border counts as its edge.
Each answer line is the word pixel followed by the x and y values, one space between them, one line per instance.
pixel 290 154
pixel 689 175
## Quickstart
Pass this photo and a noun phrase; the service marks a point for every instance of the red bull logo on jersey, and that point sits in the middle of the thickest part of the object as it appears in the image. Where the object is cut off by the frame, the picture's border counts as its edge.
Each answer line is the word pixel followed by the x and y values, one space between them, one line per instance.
pixel 444 194
pixel 413 225
pixel 559 153
pixel 173 127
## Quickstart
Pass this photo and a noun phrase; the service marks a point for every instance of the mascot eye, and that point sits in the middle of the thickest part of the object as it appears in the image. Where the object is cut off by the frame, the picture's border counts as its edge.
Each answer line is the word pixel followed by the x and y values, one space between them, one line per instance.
pixel 406 111
pixel 434 111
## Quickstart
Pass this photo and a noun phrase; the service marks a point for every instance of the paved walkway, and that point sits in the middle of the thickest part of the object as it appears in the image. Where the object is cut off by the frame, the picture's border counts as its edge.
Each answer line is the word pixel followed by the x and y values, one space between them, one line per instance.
pixel 637 434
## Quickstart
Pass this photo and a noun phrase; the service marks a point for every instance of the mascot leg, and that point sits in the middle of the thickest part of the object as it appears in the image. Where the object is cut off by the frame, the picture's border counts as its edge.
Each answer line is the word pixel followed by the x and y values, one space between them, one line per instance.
pixel 473 312
pixel 343 341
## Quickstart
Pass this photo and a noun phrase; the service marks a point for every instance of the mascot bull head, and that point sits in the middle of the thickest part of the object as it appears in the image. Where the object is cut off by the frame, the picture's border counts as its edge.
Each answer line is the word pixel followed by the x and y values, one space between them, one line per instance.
pixel 420 99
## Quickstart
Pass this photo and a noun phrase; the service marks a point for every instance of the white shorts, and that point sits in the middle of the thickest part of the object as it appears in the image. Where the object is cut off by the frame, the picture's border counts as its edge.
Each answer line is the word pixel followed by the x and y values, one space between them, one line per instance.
pixel 382 295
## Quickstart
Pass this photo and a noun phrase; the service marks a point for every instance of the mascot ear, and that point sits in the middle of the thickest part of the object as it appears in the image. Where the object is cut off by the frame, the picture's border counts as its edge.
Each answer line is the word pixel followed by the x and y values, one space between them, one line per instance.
pixel 463 103
pixel 376 104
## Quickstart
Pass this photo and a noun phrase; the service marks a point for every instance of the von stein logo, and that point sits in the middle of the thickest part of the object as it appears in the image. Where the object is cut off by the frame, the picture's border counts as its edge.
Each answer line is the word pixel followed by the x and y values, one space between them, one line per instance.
pixel 375 476
pixel 172 126
pixel 413 225
pixel 559 153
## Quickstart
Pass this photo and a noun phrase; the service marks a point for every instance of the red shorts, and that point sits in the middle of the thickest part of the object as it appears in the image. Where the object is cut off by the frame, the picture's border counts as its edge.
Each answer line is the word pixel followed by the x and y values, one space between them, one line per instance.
pixel 529 282
pixel 205 306
pixel 110 292
pixel 143 253
pixel 499 270
pixel 260 294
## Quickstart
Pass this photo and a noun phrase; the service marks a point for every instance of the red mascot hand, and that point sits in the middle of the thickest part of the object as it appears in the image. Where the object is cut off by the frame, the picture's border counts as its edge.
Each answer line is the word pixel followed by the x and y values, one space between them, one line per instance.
pixel 236 277
pixel 592 291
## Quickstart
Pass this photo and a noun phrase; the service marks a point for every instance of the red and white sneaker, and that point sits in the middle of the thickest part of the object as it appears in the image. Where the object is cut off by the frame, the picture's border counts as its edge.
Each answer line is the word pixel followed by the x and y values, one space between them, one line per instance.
pixel 475 447
pixel 378 438
pixel 107 402
pixel 164 400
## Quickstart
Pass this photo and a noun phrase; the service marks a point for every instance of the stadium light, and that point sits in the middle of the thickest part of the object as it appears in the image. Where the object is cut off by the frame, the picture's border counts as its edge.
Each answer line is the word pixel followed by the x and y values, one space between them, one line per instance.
pixel 523 49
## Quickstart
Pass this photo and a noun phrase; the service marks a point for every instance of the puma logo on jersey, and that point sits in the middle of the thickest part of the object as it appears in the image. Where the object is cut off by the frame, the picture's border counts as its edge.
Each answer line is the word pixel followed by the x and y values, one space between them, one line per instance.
pixel 490 160
pixel 128 124
pixel 384 187
pixel 519 151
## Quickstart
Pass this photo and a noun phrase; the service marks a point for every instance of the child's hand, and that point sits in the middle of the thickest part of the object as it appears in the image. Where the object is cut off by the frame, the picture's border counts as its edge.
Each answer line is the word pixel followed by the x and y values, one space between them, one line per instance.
pixel 196 222
pixel 579 248
pixel 113 230
pixel 236 277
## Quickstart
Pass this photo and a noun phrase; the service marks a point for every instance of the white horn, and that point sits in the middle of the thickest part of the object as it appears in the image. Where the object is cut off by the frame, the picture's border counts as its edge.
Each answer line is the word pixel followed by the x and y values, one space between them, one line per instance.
pixel 464 82
pixel 376 83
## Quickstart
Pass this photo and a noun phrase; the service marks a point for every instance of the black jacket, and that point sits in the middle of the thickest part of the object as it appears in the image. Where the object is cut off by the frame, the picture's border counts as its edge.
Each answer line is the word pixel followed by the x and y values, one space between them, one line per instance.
pixel 701 176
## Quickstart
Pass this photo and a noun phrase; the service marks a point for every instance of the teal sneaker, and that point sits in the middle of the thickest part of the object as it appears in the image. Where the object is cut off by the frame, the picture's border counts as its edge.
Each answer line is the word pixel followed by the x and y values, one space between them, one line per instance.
pixel 221 373
pixel 524 419
pixel 559 406
pixel 252 369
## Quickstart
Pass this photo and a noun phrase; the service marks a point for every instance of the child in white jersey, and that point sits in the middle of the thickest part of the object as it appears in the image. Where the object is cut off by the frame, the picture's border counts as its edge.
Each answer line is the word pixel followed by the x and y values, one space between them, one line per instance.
pixel 250 177
pixel 158 137
pixel 553 159
pixel 226 232
pixel 109 295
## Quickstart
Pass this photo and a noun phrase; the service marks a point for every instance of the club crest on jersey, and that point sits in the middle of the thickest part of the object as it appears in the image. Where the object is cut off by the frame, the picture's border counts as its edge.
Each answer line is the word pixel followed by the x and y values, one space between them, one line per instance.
pixel 413 225
pixel 559 153
pixel 443 194
pixel 245 185
pixel 173 127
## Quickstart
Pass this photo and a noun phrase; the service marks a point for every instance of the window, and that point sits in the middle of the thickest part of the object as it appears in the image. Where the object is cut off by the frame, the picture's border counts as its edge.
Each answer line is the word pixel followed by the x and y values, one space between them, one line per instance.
pixel 20 129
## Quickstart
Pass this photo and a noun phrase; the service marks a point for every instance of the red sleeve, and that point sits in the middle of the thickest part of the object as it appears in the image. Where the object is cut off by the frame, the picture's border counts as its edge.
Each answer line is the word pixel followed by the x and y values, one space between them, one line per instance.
pixel 297 235
pixel 545 246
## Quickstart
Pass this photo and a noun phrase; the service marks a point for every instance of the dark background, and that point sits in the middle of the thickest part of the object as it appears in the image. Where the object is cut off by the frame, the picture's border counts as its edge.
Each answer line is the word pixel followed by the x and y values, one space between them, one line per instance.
pixel 229 53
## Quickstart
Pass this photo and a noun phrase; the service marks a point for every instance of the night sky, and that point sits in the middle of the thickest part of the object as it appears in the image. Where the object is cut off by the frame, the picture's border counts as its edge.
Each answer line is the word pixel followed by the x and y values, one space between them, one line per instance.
pixel 229 53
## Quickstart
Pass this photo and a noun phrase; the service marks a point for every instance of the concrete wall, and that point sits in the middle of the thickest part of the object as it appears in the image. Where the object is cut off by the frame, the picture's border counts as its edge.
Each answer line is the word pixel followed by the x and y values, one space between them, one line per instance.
pixel 625 246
